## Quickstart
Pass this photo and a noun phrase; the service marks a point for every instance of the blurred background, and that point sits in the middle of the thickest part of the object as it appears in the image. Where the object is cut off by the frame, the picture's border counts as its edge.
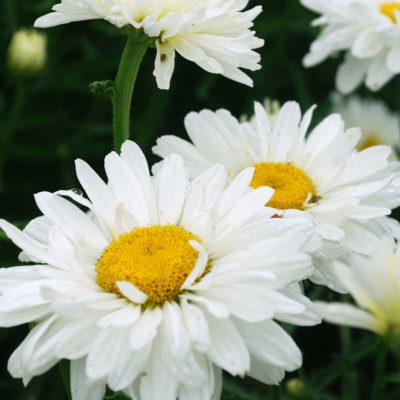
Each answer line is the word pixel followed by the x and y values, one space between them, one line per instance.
pixel 53 118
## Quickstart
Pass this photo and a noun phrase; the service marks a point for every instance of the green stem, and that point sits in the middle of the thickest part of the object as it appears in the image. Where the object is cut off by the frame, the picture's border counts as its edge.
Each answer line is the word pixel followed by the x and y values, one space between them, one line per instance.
pixel 64 370
pixel 380 365
pixel 349 381
pixel 132 57
pixel 9 127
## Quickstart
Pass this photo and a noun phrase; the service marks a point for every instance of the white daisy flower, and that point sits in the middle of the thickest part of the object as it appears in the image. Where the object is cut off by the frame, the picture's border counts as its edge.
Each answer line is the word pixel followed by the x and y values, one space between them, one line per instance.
pixel 374 283
pixel 378 124
pixel 341 189
pixel 214 34
pixel 368 31
pixel 161 286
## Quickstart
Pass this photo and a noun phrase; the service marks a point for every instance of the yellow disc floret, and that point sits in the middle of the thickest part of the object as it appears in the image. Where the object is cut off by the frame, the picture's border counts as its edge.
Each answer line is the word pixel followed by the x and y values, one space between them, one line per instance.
pixel 156 259
pixel 369 141
pixel 389 9
pixel 292 186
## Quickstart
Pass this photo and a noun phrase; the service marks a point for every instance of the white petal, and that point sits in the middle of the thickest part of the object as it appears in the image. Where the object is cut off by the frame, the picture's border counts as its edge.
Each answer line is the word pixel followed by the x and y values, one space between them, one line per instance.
pixel 131 292
pixel 271 344
pixel 171 184
pixel 81 388
pixel 228 349
pixel 156 382
pixel 197 326
pixel 164 64
pixel 145 329
pixel 348 315
pixel 200 266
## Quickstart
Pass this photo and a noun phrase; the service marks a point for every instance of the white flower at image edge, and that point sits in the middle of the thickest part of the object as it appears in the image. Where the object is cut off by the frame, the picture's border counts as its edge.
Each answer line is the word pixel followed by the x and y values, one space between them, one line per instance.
pixel 347 193
pixel 374 283
pixel 214 34
pixel 160 286
pixel 379 125
pixel 367 31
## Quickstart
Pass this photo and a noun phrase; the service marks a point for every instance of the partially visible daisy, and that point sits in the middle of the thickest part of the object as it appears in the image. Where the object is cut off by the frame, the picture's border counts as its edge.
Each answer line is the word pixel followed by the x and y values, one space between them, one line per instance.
pixel 344 191
pixel 374 283
pixel 214 34
pixel 378 124
pixel 164 284
pixel 367 31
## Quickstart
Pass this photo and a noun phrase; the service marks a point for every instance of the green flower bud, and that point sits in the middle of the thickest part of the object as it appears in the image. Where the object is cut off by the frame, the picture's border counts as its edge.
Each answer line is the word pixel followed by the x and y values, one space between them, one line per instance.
pixel 296 388
pixel 27 52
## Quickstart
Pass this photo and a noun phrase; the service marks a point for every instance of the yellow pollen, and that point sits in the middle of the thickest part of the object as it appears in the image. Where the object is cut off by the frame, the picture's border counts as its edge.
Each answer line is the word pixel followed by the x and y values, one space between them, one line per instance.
pixel 369 141
pixel 389 9
pixel 156 259
pixel 292 186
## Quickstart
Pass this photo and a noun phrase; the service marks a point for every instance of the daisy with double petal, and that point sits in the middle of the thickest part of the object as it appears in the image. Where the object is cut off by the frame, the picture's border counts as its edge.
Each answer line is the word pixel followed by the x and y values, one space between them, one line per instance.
pixel 367 31
pixel 344 191
pixel 161 285
pixel 216 35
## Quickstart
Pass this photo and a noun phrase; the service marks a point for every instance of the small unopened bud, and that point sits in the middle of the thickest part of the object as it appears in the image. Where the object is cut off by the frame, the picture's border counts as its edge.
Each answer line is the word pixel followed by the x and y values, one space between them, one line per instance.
pixel 27 52
pixel 296 388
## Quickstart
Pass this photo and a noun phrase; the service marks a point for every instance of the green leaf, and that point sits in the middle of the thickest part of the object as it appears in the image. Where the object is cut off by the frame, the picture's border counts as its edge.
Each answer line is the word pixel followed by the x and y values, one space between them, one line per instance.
pixel 393 378
pixel 103 88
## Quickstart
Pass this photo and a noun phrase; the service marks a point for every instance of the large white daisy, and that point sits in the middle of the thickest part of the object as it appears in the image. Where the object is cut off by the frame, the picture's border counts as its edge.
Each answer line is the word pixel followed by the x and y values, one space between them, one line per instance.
pixel 344 191
pixel 378 124
pixel 368 31
pixel 374 283
pixel 162 285
pixel 214 34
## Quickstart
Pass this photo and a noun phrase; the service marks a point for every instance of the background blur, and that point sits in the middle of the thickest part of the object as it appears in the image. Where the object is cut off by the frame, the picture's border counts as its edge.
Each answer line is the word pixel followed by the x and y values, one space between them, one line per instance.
pixel 61 120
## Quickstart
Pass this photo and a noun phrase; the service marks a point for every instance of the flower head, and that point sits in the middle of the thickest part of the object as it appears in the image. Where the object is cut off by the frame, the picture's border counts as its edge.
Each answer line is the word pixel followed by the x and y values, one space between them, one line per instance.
pixel 161 285
pixel 27 52
pixel 379 125
pixel 374 283
pixel 215 35
pixel 367 31
pixel 344 191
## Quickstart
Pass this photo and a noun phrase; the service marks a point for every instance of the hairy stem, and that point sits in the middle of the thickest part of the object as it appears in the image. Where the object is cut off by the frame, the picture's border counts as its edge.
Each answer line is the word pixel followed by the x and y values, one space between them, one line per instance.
pixel 131 60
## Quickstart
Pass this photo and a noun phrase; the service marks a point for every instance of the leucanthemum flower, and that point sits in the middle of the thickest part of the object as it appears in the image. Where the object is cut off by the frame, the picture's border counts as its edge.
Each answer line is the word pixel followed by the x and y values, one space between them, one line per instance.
pixel 162 285
pixel 214 34
pixel 344 191
pixel 378 124
pixel 374 283
pixel 367 31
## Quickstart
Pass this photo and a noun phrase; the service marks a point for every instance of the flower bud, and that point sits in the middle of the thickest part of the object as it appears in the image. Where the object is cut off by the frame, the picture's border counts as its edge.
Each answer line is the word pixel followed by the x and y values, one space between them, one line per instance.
pixel 296 388
pixel 27 52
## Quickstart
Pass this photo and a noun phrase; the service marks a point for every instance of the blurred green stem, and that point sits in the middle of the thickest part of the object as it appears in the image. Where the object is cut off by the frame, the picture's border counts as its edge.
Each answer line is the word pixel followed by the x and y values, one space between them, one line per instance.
pixel 132 57
pixel 65 374
pixel 349 381
pixel 9 127
pixel 380 365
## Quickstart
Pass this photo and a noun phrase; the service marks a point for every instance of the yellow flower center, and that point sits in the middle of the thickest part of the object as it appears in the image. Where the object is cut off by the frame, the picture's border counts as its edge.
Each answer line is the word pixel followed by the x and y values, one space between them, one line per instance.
pixel 369 141
pixel 156 259
pixel 389 9
pixel 293 187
